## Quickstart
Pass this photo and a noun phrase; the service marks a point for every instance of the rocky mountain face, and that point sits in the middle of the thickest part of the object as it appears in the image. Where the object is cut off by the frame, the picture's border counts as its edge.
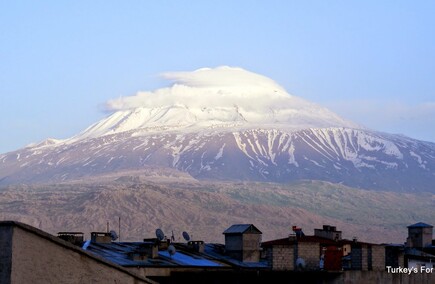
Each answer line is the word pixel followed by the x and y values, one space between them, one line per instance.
pixel 228 124
pixel 357 158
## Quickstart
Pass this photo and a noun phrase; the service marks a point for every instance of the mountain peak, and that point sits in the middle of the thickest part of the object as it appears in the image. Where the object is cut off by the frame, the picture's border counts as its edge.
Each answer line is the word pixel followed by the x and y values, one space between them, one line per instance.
pixel 214 97
pixel 228 124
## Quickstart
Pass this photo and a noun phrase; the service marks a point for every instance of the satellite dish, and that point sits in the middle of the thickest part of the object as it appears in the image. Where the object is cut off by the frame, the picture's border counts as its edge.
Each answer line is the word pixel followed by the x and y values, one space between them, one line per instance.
pixel 171 250
pixel 160 235
pixel 113 235
pixel 186 236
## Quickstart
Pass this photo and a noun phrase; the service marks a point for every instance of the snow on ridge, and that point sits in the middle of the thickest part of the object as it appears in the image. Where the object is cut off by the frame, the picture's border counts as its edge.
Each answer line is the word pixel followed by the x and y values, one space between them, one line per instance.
pixel 45 143
pixel 214 97
pixel 365 139
pixel 231 99
pixel 220 152
pixel 223 98
pixel 420 161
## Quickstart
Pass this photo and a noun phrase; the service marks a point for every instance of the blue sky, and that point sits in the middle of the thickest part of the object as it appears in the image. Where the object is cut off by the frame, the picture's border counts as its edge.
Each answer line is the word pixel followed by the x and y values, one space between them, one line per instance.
pixel 372 62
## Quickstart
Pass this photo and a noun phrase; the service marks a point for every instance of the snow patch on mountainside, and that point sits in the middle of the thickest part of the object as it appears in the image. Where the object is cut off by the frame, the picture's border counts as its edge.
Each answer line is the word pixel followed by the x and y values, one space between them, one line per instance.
pixel 419 159
pixel 366 159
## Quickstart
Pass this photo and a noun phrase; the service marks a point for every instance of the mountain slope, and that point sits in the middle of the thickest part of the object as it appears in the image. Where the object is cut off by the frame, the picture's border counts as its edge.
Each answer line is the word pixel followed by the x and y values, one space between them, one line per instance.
pixel 206 209
pixel 228 124
pixel 358 158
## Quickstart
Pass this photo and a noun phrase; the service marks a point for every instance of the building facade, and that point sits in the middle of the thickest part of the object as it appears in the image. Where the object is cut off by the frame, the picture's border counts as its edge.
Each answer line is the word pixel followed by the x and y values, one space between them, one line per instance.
pixel 29 255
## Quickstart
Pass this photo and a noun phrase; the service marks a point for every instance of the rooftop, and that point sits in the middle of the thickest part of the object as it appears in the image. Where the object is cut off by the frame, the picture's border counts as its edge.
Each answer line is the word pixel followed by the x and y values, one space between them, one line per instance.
pixel 420 225
pixel 213 256
pixel 70 247
pixel 242 228
pixel 308 239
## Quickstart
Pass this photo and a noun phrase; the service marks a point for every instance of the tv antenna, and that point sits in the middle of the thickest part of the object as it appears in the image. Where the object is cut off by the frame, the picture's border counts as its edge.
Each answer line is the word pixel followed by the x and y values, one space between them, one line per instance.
pixel 160 235
pixel 186 236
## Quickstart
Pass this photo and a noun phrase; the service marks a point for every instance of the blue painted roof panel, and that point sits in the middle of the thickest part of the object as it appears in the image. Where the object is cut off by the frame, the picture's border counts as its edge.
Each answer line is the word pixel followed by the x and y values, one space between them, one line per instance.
pixel 420 225
pixel 242 228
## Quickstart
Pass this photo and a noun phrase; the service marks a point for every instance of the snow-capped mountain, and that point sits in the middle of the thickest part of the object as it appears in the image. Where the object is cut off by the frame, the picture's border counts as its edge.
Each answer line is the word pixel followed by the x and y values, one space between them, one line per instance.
pixel 223 97
pixel 228 124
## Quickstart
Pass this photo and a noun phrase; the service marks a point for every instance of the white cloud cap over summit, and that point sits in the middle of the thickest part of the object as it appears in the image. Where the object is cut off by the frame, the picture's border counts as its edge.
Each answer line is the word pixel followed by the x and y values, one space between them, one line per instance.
pixel 206 87
pixel 225 97
pixel 222 77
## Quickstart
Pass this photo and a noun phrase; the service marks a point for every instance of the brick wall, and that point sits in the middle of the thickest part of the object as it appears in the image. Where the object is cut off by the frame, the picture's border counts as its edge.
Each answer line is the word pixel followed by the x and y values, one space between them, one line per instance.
pixel 281 257
pixel 364 258
pixel 378 258
pixel 310 252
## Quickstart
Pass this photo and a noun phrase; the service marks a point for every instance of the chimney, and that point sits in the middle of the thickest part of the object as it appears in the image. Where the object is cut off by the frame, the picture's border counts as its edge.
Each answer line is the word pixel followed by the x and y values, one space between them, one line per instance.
pixel 197 246
pixel 298 231
pixel 144 251
pixel 101 237
pixel 76 238
pixel 161 244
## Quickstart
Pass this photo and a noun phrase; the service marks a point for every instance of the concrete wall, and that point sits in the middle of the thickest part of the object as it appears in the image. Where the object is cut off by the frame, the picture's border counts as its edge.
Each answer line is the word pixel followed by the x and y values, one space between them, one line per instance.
pixel 251 247
pixel 420 237
pixel 233 246
pixel 328 234
pixel 233 242
pixel 244 247
pixel 5 254
pixel 356 256
pixel 38 257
